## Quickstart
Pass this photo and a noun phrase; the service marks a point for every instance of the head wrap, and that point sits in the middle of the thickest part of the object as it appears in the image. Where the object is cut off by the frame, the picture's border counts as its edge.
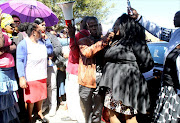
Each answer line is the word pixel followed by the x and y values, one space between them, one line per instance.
pixel 6 20
pixel 177 19
pixel 173 42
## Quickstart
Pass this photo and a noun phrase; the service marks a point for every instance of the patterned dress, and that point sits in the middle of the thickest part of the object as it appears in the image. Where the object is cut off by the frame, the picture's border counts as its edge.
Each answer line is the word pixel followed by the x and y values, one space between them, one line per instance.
pixel 168 104
pixel 122 75
pixel 117 106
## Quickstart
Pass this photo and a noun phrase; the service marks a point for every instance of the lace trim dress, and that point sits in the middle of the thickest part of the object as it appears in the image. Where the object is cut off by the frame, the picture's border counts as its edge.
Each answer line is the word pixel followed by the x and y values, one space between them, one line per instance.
pixel 123 76
pixel 9 108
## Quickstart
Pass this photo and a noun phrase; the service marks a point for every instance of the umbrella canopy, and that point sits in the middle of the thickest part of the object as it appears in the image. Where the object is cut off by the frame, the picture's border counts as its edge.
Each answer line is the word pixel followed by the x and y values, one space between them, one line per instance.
pixel 28 10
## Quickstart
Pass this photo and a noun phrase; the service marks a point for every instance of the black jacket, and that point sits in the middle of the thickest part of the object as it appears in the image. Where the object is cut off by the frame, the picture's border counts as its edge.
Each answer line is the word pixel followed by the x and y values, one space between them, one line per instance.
pixel 57 49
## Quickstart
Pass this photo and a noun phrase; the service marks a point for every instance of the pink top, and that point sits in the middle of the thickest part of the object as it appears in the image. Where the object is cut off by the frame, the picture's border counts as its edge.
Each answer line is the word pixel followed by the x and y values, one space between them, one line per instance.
pixel 73 60
pixel 6 59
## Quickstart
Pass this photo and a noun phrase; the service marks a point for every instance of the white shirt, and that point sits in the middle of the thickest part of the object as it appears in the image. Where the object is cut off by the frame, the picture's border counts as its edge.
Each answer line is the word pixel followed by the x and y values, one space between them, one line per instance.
pixel 36 67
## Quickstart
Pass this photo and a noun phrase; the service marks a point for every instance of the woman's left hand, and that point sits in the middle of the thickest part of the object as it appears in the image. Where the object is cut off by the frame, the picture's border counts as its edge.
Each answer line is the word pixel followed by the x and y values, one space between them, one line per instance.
pixel 44 36
pixel 22 82
pixel 71 31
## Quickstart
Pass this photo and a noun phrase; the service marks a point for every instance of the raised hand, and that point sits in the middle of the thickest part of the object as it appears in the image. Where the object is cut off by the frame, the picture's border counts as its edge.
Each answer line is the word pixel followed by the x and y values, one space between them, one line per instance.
pixel 108 37
pixel 135 14
pixel 71 31
pixel 44 36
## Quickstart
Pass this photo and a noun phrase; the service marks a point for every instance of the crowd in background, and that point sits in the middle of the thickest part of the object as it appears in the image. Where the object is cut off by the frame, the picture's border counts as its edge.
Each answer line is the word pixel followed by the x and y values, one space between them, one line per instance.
pixel 94 76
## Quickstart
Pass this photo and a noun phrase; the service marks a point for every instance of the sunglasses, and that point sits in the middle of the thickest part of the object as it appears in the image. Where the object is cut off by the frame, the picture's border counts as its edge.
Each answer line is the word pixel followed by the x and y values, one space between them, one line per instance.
pixel 17 21
pixel 12 25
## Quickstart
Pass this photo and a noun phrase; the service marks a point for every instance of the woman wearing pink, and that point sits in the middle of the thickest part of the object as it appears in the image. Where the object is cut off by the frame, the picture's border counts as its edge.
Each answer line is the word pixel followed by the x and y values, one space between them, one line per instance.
pixel 8 86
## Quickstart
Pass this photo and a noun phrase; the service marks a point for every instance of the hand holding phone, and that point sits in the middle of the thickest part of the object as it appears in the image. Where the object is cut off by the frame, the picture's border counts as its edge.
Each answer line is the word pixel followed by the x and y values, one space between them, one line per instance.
pixel 129 11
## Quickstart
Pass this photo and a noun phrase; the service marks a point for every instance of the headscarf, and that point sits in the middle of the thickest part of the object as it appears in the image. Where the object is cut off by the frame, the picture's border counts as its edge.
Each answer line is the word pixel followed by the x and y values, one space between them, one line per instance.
pixel 174 41
pixel 177 19
pixel 175 38
pixel 6 20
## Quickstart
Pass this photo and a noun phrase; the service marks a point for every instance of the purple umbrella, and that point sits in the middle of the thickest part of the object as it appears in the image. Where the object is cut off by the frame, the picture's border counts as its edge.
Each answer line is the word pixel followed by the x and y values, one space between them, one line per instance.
pixel 27 11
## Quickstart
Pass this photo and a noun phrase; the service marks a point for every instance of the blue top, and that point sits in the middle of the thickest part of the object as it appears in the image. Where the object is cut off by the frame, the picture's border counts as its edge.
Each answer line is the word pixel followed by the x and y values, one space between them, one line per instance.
pixel 158 31
pixel 21 54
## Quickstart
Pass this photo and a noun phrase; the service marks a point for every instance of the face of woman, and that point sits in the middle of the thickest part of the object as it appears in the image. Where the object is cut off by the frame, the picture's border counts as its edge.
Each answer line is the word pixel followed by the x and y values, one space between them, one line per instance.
pixel 116 27
pixel 37 32
pixel 9 28
pixel 42 27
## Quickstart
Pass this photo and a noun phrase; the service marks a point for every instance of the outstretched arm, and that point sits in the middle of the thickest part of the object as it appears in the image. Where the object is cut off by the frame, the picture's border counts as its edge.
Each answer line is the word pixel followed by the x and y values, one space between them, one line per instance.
pixel 88 49
pixel 158 31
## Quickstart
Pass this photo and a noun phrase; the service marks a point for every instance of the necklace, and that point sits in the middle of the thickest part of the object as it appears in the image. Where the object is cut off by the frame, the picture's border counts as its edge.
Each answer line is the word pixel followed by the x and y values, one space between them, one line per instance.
pixel 113 43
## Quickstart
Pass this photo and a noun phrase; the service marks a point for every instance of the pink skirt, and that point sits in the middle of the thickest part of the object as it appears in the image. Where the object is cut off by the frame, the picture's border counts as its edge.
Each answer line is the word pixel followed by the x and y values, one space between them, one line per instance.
pixel 36 91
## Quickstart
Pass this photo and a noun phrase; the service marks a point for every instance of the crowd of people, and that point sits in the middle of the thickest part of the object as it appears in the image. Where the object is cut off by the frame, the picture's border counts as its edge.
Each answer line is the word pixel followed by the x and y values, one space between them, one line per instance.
pixel 94 76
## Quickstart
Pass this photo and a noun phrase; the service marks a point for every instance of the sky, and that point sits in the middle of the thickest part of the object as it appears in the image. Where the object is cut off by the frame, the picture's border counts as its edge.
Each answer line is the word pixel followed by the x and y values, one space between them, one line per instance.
pixel 160 12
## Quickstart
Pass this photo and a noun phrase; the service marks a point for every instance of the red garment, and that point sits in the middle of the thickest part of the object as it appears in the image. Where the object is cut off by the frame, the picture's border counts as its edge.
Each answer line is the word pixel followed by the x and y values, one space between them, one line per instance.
pixel 36 91
pixel 6 59
pixel 73 60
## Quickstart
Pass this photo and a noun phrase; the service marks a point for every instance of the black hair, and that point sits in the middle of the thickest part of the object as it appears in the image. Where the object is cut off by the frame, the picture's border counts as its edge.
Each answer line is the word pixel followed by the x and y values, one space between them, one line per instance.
pixel 83 22
pixel 58 35
pixel 62 31
pixel 49 28
pixel 27 27
pixel 39 20
pixel 91 18
pixel 22 26
pixel 16 16
pixel 130 29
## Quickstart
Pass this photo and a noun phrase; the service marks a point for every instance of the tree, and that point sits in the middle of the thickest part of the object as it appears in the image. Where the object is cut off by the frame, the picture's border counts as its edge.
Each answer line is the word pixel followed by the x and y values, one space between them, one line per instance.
pixel 81 8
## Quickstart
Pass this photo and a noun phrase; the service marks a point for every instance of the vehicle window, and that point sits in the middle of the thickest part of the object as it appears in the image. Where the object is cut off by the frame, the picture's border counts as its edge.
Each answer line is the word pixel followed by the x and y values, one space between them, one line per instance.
pixel 157 52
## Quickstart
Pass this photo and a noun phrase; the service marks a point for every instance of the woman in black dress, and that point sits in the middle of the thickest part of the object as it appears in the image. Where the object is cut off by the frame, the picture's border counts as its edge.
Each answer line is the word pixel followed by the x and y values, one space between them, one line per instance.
pixel 127 57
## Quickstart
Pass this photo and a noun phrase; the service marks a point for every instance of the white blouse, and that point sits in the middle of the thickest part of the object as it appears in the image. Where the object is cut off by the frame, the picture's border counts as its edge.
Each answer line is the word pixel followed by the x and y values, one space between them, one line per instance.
pixel 36 67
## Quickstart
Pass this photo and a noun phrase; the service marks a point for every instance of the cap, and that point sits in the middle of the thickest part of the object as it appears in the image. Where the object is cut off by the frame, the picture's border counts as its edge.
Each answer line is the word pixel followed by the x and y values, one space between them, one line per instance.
pixel 6 20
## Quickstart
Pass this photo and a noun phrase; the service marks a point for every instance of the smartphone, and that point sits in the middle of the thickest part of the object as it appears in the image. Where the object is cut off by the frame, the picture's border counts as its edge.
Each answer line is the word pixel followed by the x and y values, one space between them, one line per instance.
pixel 129 11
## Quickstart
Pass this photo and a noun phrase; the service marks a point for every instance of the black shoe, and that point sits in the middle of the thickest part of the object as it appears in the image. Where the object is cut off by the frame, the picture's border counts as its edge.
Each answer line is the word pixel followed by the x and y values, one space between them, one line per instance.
pixel 44 120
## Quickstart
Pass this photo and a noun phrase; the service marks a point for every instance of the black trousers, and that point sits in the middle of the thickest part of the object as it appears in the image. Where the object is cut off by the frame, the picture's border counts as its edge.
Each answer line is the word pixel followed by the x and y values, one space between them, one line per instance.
pixel 92 100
